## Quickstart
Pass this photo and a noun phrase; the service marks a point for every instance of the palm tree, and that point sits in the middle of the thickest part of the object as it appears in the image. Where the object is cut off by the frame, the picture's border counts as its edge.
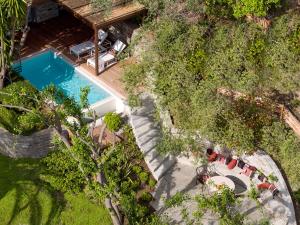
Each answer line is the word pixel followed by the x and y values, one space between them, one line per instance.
pixel 12 16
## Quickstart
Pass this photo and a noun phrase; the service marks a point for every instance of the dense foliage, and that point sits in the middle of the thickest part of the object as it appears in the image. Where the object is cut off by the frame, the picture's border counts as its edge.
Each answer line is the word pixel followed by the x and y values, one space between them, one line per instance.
pixel 62 170
pixel 224 204
pixel 12 16
pixel 189 62
pixel 28 198
pixel 113 121
pixel 16 120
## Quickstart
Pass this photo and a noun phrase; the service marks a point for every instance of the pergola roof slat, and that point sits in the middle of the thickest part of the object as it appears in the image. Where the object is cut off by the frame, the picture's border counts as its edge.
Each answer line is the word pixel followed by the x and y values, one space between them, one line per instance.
pixel 73 4
pixel 84 9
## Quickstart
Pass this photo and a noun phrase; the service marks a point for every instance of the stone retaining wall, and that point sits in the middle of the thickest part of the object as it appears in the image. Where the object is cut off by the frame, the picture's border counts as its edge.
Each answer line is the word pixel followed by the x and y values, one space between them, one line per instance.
pixel 36 145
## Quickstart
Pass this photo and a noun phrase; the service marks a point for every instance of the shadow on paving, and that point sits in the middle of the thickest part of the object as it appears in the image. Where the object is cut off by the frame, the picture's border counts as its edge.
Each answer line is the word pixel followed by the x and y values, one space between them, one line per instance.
pixel 23 177
pixel 240 186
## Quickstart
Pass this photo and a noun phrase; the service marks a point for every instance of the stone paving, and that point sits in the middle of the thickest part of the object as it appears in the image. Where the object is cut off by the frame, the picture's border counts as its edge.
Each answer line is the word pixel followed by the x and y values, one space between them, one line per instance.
pixel 147 133
pixel 179 175
pixel 36 145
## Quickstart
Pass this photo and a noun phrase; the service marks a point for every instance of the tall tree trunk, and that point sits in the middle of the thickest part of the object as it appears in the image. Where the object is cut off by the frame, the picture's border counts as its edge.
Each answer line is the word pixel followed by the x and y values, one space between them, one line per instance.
pixel 2 76
pixel 113 210
pixel 2 64
pixel 12 40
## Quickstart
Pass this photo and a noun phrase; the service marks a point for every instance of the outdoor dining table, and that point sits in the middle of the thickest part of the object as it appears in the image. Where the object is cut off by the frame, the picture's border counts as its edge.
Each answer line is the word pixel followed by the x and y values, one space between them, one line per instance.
pixel 216 182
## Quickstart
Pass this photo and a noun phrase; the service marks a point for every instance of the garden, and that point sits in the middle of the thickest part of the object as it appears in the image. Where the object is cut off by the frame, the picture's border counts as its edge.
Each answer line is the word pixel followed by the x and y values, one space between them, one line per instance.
pixel 27 198
pixel 197 49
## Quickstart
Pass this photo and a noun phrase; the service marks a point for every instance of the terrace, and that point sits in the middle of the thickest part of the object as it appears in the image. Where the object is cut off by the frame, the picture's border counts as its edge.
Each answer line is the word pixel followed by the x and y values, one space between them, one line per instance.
pixel 77 23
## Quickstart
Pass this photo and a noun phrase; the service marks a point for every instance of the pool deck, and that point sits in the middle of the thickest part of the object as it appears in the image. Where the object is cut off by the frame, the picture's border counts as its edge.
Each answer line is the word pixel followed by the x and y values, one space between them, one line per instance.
pixel 64 31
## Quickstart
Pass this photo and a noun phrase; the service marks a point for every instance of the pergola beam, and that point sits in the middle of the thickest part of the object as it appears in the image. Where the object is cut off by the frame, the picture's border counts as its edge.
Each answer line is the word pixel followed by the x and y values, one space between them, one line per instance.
pixel 96 41
pixel 85 11
pixel 95 18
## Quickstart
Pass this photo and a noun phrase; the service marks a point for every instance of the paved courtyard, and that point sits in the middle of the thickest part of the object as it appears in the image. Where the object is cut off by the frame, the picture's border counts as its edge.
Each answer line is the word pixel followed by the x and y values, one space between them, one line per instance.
pixel 180 176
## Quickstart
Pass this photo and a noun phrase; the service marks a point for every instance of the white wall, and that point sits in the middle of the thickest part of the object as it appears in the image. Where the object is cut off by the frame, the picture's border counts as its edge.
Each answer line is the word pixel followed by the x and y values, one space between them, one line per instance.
pixel 105 106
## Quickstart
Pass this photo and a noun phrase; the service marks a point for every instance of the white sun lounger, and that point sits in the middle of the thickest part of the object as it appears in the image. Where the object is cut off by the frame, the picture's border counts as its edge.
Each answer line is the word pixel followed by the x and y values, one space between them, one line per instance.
pixel 118 47
pixel 87 46
pixel 105 60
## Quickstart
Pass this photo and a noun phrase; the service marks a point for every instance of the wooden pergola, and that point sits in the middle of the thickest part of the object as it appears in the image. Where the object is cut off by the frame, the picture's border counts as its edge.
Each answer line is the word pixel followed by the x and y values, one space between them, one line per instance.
pixel 96 18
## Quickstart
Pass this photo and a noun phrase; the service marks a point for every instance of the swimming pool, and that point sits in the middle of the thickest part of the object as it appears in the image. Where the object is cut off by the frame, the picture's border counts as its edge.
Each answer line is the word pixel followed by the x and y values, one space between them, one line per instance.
pixel 47 68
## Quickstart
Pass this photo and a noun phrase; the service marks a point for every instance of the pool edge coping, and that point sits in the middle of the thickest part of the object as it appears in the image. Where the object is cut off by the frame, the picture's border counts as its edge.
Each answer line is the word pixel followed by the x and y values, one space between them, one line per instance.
pixel 83 72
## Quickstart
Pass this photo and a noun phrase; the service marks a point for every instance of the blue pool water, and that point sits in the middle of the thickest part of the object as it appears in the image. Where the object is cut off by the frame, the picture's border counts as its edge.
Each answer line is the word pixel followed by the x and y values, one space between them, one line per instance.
pixel 46 68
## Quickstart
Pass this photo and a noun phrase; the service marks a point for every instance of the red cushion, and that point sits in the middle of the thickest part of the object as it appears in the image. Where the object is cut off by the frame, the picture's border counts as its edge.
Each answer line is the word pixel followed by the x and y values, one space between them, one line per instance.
pixel 264 186
pixel 212 157
pixel 232 164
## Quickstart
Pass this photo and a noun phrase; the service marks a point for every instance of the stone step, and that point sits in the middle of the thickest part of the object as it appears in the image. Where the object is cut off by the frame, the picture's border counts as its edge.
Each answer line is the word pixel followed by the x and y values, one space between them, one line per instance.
pixel 152 136
pixel 148 133
pixel 151 155
pixel 149 146
pixel 144 111
pixel 159 165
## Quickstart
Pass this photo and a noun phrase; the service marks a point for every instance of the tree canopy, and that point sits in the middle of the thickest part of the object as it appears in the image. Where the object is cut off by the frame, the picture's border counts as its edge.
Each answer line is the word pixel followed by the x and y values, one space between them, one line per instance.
pixel 189 61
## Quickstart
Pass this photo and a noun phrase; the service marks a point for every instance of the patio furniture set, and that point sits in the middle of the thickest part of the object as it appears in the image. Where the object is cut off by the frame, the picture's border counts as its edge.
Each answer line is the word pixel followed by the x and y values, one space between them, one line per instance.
pixel 107 53
pixel 262 182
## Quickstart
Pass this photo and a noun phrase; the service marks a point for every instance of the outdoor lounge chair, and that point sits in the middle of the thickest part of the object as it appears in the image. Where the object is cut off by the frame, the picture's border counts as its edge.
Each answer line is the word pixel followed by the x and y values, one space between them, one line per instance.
pixel 267 186
pixel 107 59
pixel 228 160
pixel 248 170
pixel 232 164
pixel 88 46
pixel 213 157
pixel 241 164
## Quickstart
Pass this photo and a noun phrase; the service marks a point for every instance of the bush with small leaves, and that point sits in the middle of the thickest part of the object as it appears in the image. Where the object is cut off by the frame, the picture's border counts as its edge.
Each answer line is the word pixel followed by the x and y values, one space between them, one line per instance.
pixel 143 176
pixel 7 119
pixel 151 183
pixel 20 93
pixel 146 197
pixel 113 121
pixel 137 169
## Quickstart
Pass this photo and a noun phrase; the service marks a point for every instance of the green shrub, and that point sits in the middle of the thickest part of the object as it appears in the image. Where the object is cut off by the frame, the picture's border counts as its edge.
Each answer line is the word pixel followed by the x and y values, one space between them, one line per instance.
pixel 146 197
pixel 253 193
pixel 134 212
pixel 135 184
pixel 20 93
pixel 273 178
pixel 28 123
pixel 281 143
pixel 113 121
pixel 125 186
pixel 137 169
pixel 143 176
pixel 151 183
pixel 7 119
pixel 62 171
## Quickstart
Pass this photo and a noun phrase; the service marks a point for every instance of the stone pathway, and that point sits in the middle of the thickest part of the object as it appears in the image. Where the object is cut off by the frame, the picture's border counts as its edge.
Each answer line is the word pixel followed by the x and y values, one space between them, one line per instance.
pixel 172 175
pixel 147 133
pixel 179 175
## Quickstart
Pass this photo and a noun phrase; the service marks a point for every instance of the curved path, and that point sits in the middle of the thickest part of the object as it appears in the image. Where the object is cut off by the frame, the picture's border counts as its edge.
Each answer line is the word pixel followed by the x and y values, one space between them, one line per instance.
pixel 179 175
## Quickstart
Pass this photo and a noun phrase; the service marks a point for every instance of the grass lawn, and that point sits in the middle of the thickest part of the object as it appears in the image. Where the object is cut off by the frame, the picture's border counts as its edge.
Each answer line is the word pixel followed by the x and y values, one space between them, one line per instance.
pixel 25 198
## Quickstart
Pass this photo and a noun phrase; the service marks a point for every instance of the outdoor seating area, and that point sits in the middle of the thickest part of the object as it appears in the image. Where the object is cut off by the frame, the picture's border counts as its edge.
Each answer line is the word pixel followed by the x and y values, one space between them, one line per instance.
pixel 107 57
pixel 75 40
pixel 107 53
pixel 242 174
pixel 88 46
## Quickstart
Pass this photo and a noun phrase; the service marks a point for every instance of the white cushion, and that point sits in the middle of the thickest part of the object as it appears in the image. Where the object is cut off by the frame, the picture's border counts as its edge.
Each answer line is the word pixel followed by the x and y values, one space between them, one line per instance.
pixel 119 46
pixel 105 57
pixel 102 35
